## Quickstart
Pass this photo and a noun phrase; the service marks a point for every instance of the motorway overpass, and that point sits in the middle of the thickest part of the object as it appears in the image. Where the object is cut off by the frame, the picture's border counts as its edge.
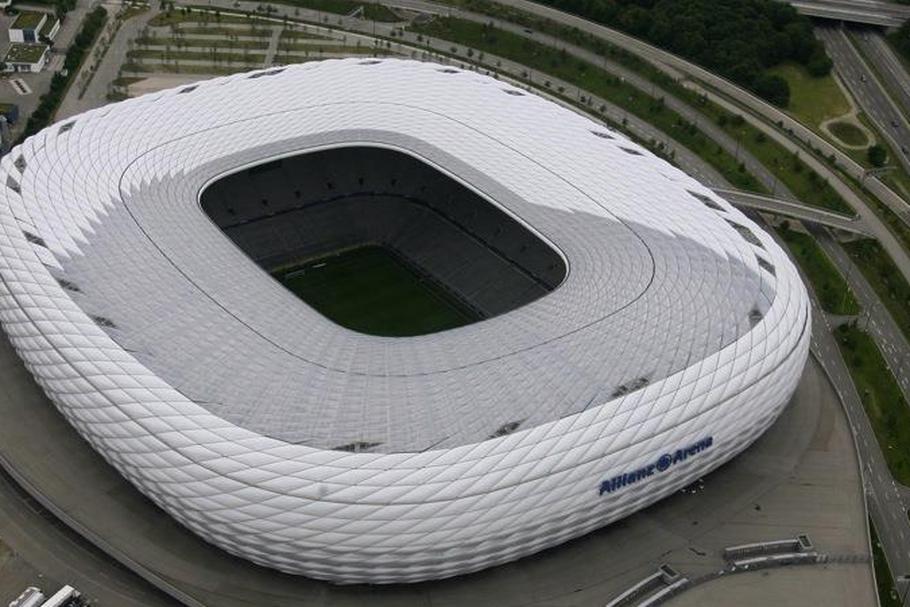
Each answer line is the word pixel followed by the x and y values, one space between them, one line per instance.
pixel 868 12
pixel 795 210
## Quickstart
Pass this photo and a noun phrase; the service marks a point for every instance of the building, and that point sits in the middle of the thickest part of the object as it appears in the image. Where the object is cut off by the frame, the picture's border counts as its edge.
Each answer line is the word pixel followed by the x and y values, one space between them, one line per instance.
pixel 34 26
pixel 23 57
pixel 633 331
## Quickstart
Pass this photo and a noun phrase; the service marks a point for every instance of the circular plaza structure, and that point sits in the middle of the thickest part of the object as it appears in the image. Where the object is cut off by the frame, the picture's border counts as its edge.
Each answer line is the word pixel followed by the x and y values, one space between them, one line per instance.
pixel 576 328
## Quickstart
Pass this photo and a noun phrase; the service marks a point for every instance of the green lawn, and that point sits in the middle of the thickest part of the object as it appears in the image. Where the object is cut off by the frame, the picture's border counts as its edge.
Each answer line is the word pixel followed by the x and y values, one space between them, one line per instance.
pixel 812 100
pixel 830 287
pixel 371 10
pixel 887 593
pixel 217 30
pixel 196 43
pixel 170 68
pixel 175 16
pixel 27 20
pixel 175 55
pixel 885 405
pixel 848 133
pixel 25 52
pixel 371 290
pixel 879 269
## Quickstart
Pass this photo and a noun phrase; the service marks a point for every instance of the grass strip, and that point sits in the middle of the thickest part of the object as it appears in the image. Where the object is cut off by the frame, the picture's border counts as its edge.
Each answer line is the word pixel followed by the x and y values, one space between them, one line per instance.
pixel 832 290
pixel 882 398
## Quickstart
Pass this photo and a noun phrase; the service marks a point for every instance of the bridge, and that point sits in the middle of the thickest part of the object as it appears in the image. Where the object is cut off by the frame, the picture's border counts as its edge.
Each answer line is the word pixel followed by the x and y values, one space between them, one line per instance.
pixel 867 12
pixel 795 210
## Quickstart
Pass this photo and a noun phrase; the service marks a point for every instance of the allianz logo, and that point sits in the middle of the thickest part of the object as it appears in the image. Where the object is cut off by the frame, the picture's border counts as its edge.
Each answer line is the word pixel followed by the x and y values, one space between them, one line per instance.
pixel 663 463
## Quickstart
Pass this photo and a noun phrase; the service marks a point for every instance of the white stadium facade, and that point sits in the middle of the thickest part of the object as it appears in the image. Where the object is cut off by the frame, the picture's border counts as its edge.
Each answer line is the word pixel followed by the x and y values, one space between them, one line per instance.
pixel 636 330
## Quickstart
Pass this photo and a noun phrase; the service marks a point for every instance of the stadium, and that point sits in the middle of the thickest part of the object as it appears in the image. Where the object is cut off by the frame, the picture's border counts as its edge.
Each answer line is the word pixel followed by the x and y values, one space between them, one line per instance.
pixel 382 321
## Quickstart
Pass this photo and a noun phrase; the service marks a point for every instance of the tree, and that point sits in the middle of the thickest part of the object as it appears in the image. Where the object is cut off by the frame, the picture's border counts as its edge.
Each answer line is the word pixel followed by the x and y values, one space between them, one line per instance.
pixel 877 155
pixel 819 64
pixel 773 88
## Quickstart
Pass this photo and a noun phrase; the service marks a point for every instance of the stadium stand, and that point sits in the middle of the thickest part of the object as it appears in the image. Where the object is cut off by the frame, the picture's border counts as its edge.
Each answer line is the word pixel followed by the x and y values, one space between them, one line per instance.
pixel 310 206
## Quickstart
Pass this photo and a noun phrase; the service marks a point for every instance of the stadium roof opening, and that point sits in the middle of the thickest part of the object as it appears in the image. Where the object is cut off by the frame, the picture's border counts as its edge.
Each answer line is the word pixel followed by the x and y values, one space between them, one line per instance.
pixel 382 242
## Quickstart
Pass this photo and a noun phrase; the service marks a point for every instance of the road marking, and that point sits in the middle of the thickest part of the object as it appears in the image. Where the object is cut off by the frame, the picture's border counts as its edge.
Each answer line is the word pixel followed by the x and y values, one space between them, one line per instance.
pixel 20 86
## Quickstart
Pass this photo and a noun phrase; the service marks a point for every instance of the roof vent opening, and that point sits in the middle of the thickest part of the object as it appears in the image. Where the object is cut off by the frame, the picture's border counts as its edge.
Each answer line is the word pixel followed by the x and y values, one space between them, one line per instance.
pixel 32 238
pixel 632 386
pixel 66 127
pixel 747 234
pixel 507 428
pixel 766 265
pixel 602 135
pixel 708 202
pixel 20 163
pixel 357 446
pixel 101 321
pixel 513 92
pixel 631 151
pixel 68 285
pixel 265 73
pixel 188 89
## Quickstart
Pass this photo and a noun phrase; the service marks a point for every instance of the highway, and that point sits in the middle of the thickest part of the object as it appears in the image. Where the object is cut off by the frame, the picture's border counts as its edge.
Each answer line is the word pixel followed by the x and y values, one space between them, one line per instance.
pixel 888 65
pixel 869 92
pixel 886 499
pixel 869 12
pixel 875 318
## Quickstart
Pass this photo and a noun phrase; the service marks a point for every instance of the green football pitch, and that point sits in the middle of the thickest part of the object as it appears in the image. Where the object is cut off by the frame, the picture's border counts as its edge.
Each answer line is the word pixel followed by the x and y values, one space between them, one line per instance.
pixel 370 290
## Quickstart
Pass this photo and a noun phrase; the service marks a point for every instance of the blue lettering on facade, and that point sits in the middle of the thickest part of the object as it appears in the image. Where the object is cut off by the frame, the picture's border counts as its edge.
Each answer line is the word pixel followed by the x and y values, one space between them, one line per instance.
pixel 663 463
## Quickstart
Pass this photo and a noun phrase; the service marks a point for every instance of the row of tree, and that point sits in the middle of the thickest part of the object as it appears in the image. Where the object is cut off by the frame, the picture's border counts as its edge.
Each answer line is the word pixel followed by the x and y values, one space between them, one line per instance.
pixel 739 39
pixel 901 39
pixel 47 106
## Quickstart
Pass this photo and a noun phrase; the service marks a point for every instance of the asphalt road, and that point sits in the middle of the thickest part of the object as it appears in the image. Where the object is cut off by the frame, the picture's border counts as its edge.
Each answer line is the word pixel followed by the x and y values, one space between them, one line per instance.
pixel 888 65
pixel 875 318
pixel 887 507
pixel 869 92
pixel 96 93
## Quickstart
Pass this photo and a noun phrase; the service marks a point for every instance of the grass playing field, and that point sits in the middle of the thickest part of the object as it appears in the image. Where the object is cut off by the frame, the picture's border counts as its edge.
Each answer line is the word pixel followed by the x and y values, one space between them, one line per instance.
pixel 371 290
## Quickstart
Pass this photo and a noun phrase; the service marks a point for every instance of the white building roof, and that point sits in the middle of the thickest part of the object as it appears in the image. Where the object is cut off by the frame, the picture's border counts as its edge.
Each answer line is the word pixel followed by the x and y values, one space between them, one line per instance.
pixel 222 396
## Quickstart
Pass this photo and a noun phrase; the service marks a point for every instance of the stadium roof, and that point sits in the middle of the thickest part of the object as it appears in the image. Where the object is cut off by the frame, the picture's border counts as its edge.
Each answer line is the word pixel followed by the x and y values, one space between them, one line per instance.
pixel 673 302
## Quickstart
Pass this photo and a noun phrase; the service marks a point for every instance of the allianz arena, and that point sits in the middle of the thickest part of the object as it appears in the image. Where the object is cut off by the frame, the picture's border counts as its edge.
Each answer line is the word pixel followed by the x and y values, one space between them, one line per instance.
pixel 630 330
